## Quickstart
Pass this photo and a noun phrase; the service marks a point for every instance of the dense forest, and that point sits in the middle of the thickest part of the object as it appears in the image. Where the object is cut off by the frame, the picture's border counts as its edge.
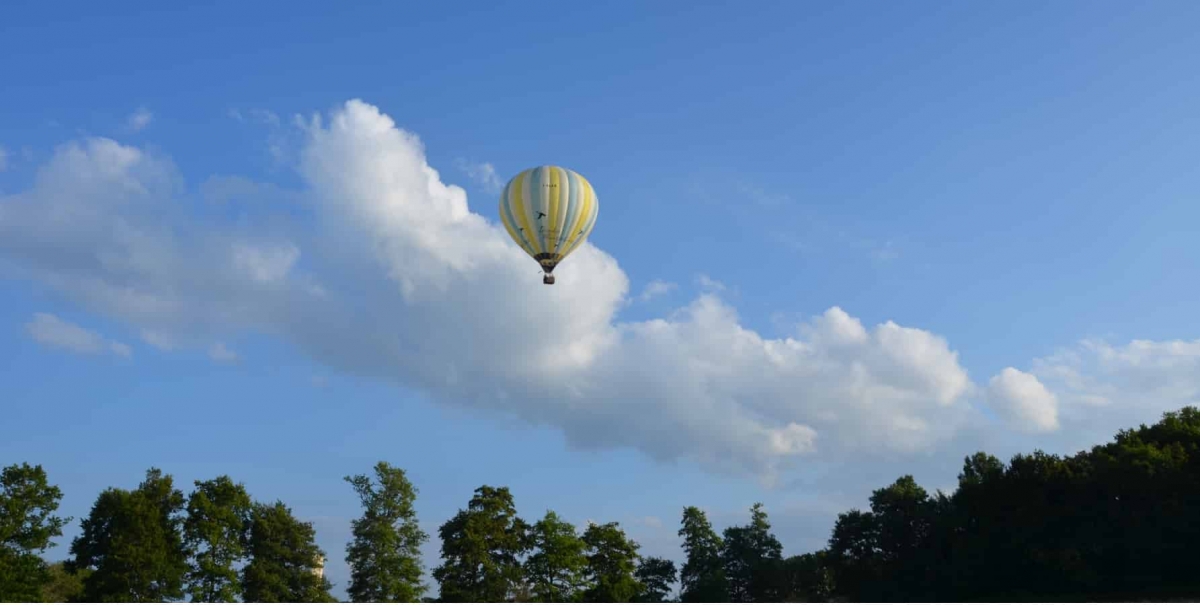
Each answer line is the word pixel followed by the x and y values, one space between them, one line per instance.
pixel 1119 522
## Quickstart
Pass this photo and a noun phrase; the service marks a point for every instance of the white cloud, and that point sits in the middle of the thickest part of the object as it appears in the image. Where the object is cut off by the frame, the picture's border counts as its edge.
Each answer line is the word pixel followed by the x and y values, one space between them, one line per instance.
pixel 1024 400
pixel 1102 387
pixel 220 353
pixel 52 331
pixel 483 174
pixel 139 119
pixel 390 274
pixel 655 289
pixel 708 283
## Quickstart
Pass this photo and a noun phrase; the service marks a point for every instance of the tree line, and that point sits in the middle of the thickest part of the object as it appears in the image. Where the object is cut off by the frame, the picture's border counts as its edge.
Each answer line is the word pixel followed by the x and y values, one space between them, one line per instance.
pixel 1118 522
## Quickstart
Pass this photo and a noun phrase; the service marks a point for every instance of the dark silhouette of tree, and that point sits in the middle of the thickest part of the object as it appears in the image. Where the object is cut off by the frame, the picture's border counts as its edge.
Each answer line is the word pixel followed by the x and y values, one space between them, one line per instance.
pixel 750 556
pixel 656 576
pixel 284 559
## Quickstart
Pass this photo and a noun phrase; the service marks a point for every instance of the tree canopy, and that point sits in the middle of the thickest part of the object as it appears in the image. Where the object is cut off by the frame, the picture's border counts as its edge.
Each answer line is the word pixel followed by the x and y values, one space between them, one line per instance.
pixel 1117 522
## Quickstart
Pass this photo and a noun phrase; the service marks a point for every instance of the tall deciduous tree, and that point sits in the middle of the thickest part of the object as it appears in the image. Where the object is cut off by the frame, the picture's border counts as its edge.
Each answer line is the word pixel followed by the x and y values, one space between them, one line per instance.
pixel 656 575
pixel 751 555
pixel 611 564
pixel 27 527
pixel 481 549
pixel 215 532
pixel 556 569
pixel 385 555
pixel 285 561
pixel 133 543
pixel 703 575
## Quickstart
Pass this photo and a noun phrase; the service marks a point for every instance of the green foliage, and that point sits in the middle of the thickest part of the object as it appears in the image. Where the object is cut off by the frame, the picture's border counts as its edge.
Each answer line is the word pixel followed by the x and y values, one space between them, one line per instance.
pixel 803 579
pixel 481 549
pixel 63 586
pixel 611 563
pixel 1118 522
pixel 750 557
pixel 285 561
pixel 656 575
pixel 703 574
pixel 556 571
pixel 215 532
pixel 27 527
pixel 1115 523
pixel 132 542
pixel 385 555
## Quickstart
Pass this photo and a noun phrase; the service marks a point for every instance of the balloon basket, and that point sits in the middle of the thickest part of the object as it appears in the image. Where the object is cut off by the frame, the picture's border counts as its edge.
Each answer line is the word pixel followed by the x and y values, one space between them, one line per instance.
pixel 548 280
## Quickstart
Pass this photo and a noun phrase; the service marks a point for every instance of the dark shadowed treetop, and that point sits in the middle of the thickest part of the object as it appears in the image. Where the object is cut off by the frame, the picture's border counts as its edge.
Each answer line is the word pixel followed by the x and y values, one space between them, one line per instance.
pixel 656 575
pixel 133 543
pixel 284 559
pixel 703 574
pixel 750 554
pixel 481 549
pixel 611 564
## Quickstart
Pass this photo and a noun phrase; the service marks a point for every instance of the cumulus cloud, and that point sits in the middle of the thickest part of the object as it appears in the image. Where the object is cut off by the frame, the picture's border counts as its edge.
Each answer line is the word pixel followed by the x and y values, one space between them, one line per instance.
pixel 655 289
pixel 388 273
pixel 1102 387
pixel 139 119
pixel 483 174
pixel 1024 400
pixel 51 331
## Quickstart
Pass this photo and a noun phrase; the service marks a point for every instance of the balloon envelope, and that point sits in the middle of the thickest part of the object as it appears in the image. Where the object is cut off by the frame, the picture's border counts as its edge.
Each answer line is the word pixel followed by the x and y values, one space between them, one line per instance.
pixel 549 212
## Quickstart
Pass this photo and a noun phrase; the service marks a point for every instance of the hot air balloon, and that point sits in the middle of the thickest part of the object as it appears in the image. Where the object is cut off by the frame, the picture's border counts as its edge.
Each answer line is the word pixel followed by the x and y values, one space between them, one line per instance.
pixel 549 211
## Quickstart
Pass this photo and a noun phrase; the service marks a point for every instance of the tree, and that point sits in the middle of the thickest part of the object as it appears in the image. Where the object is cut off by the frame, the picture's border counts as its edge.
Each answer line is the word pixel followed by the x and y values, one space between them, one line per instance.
pixel 481 549
pixel 556 569
pixel 285 561
pixel 611 564
pixel 64 586
pixel 133 544
pixel 385 555
pixel 703 575
pixel 804 579
pixel 215 532
pixel 656 575
pixel 749 556
pixel 27 528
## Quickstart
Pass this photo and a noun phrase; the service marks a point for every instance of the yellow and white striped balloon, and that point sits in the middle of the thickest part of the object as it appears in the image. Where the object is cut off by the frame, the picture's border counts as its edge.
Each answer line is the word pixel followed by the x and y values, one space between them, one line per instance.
pixel 549 211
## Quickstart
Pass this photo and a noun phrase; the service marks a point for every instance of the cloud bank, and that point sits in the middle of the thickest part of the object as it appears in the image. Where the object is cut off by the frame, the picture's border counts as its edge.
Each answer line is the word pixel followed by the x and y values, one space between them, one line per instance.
pixel 379 268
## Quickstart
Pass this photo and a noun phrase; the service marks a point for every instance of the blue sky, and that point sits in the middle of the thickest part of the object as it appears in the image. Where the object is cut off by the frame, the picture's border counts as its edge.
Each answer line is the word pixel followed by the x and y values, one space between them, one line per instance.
pixel 1013 185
